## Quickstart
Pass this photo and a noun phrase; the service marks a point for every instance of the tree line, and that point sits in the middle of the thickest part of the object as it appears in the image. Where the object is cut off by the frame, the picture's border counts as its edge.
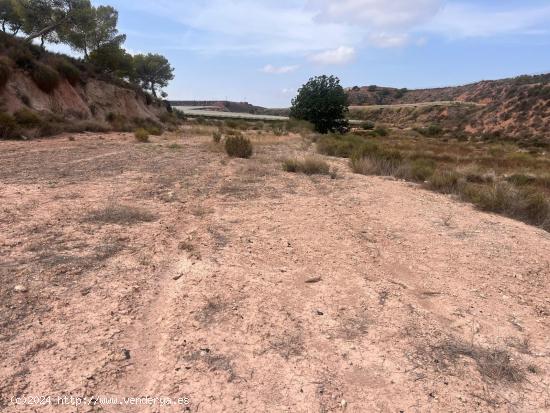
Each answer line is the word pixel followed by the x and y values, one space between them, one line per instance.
pixel 89 30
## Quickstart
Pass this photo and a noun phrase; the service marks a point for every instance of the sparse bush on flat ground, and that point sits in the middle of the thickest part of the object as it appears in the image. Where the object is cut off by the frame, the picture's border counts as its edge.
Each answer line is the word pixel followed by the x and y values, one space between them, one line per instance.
pixel 141 135
pixel 46 78
pixel 217 136
pixel 238 146
pixel 155 130
pixel 310 165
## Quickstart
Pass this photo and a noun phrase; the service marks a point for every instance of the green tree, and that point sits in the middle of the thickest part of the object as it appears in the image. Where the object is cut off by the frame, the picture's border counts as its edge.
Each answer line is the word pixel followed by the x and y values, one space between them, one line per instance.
pixel 92 28
pixel 323 102
pixel 9 18
pixel 153 71
pixel 111 58
pixel 46 19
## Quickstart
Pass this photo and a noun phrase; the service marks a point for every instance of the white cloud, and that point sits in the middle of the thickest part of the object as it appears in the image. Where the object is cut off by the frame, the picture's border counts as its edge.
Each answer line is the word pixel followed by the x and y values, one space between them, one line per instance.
pixel 377 13
pixel 338 56
pixel 278 70
pixel 288 91
pixel 385 40
pixel 465 20
pixel 318 28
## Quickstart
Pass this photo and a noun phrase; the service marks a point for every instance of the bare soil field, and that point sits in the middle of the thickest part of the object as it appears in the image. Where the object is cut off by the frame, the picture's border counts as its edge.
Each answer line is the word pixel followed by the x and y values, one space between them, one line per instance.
pixel 167 269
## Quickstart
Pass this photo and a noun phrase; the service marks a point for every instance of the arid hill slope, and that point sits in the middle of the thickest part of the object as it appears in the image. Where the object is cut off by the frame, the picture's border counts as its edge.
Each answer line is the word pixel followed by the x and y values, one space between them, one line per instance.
pixel 516 108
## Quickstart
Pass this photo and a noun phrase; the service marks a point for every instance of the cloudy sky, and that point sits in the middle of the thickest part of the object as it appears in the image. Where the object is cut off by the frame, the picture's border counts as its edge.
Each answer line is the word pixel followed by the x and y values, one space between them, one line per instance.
pixel 261 51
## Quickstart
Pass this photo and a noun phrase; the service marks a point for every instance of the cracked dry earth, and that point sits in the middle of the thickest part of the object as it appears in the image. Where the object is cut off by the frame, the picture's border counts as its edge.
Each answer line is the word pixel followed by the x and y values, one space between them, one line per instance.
pixel 167 269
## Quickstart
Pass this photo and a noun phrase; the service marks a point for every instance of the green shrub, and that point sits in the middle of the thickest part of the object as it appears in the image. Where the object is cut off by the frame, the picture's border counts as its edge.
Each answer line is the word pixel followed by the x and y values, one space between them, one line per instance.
pixel 141 135
pixel 8 126
pixel 238 147
pixel 368 125
pixel 110 117
pixel 434 130
pixel 22 57
pixel 536 207
pixel 521 179
pixel 68 71
pixel 46 78
pixel 217 137
pixel 155 130
pixel 343 146
pixel 422 169
pixel 5 71
pixel 445 181
pixel 381 131
pixel 309 166
pixel 27 118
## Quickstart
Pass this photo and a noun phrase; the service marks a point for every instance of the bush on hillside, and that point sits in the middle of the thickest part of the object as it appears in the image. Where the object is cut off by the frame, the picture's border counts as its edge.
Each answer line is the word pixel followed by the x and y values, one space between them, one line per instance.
pixel 46 78
pixel 23 58
pixel 68 71
pixel 238 146
pixel 5 71
pixel 27 118
pixel 8 126
pixel 154 130
pixel 368 125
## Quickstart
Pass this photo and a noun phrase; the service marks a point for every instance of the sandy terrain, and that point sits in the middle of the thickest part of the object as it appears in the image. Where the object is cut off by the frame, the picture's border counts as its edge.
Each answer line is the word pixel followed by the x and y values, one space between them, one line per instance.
pixel 167 269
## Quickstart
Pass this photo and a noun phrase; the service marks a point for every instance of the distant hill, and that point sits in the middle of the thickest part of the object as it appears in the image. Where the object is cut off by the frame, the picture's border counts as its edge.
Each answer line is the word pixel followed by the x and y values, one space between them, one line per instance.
pixel 517 107
pixel 222 105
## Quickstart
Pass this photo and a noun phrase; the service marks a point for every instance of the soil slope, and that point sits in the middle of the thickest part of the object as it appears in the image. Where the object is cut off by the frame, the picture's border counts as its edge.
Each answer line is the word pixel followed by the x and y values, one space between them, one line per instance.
pixel 167 269
pixel 516 108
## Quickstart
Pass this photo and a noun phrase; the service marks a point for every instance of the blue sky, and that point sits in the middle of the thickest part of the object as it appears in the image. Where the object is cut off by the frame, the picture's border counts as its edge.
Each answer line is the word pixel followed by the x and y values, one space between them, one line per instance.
pixel 261 51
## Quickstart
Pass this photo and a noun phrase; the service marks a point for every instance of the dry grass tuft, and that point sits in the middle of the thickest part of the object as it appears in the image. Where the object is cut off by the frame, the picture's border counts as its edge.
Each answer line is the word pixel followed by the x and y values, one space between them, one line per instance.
pixel 310 165
pixel 493 364
pixel 120 215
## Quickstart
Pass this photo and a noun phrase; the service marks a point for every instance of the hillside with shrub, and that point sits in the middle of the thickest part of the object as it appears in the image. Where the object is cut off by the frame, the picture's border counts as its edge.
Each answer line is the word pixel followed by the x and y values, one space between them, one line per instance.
pixel 516 108
pixel 44 93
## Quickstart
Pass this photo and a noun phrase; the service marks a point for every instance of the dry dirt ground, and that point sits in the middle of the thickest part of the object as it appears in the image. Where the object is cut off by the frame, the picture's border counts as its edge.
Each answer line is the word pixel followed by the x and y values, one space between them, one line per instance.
pixel 169 270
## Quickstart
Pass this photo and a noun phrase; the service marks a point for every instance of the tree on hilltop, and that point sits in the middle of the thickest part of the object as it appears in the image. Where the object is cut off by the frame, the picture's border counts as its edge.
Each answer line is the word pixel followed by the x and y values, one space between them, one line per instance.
pixel 152 71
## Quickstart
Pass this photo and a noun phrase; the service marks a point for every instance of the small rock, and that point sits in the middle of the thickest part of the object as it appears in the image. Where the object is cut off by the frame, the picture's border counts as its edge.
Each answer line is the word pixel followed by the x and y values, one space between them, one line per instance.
pixel 177 277
pixel 20 288
pixel 126 353
pixel 319 312
pixel 343 403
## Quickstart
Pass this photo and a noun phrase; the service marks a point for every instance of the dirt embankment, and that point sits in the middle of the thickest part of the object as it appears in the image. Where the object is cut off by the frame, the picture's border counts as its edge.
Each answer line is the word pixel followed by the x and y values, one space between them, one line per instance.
pixel 167 269
pixel 91 99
